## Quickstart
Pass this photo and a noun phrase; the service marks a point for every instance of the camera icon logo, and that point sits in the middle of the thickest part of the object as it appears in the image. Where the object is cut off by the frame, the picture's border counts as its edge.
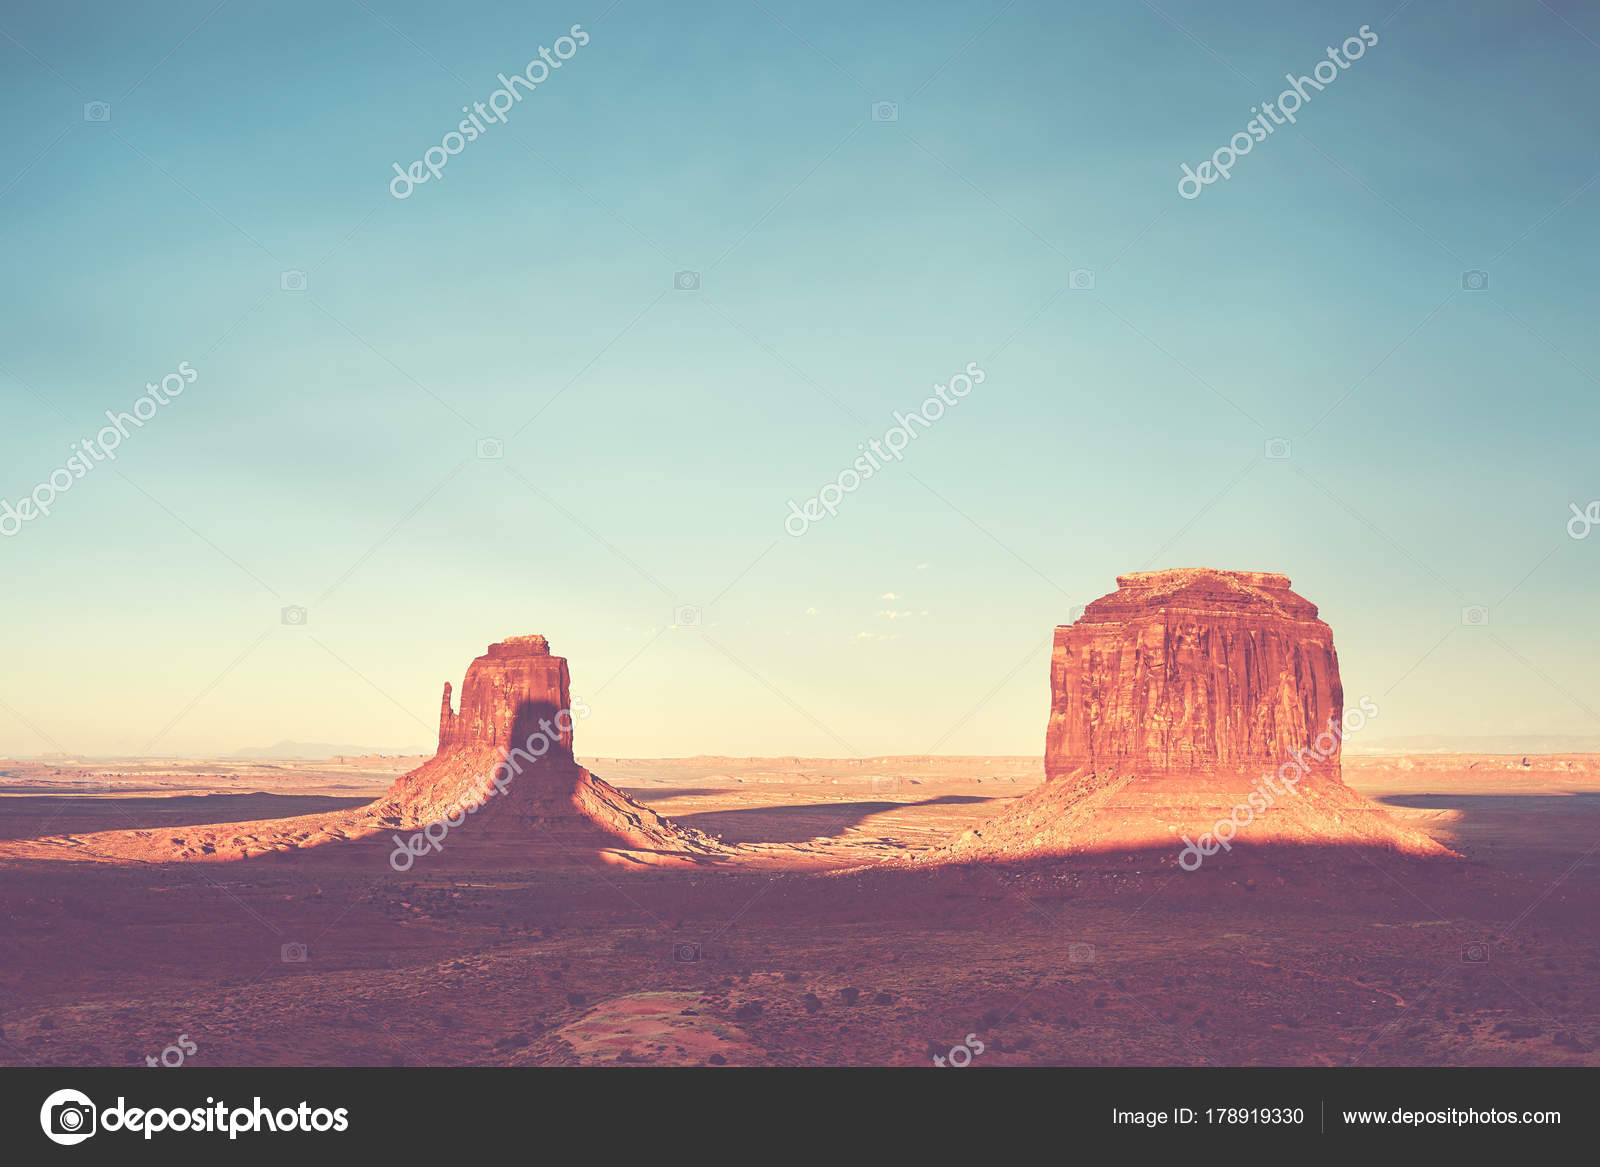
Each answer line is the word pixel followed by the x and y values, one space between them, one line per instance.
pixel 1080 279
pixel 295 952
pixel 885 111
pixel 686 616
pixel 1277 449
pixel 491 449
pixel 1475 616
pixel 97 111
pixel 292 281
pixel 1080 952
pixel 1474 281
pixel 687 281
pixel 686 953
pixel 1476 953
pixel 68 1117
pixel 295 616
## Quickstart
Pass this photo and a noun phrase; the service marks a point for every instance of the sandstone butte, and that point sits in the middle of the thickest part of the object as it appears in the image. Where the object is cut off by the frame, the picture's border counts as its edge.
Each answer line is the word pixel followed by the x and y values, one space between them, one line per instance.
pixel 515 723
pixel 1174 698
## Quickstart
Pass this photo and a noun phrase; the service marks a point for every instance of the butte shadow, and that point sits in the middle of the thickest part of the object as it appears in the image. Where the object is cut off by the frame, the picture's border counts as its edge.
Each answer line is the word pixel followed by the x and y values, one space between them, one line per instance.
pixel 802 822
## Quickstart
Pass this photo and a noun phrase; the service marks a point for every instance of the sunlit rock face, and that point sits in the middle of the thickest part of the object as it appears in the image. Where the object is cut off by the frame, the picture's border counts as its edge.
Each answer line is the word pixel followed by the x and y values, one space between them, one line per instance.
pixel 1194 712
pixel 1191 669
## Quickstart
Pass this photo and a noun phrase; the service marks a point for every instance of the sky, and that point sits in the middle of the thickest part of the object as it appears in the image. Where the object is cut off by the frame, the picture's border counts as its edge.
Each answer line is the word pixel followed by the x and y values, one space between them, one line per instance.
pixel 571 385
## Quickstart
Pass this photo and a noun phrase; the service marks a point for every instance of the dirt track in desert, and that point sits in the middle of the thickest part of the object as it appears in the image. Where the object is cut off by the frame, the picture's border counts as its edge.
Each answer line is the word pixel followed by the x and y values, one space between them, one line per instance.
pixel 824 936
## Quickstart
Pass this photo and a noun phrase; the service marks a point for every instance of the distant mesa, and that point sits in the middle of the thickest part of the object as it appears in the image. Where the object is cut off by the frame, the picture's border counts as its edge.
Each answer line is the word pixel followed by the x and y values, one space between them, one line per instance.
pixel 1183 699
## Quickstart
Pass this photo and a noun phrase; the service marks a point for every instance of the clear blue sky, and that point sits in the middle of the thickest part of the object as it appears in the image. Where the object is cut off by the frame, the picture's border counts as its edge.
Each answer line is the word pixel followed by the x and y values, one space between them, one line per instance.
pixel 327 454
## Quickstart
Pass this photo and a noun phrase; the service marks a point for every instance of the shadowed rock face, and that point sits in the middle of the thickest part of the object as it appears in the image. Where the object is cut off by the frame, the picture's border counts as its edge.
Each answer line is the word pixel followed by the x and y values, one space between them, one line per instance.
pixel 1191 670
pixel 515 709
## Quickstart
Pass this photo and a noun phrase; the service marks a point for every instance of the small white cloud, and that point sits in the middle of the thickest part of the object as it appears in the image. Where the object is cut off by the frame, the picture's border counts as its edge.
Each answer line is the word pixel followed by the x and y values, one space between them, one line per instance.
pixel 922 567
pixel 875 636
pixel 888 596
pixel 812 612
pixel 905 615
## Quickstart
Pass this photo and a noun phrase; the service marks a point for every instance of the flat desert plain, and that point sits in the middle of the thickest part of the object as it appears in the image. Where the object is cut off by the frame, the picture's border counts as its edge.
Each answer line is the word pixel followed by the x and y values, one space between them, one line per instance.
pixel 829 933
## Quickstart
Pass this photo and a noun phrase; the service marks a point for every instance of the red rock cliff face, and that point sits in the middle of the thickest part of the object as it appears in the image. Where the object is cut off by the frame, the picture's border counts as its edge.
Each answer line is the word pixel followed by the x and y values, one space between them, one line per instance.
pixel 507 691
pixel 1192 669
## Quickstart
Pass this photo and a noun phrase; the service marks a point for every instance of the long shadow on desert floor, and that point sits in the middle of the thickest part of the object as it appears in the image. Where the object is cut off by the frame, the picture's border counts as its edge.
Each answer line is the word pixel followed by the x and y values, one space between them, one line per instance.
pixel 648 794
pixel 798 823
pixel 1541 833
pixel 30 816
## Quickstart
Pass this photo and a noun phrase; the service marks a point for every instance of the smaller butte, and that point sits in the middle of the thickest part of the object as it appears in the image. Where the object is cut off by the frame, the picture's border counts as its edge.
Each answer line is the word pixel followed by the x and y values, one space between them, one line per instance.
pixel 516 723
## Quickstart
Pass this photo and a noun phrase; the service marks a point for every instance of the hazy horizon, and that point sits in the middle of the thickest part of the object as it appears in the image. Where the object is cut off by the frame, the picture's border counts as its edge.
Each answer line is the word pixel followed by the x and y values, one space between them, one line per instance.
pixel 1487 745
pixel 334 452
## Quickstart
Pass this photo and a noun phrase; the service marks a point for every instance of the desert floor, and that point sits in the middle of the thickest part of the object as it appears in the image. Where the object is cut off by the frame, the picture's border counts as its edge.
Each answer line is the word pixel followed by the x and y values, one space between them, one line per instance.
pixel 823 942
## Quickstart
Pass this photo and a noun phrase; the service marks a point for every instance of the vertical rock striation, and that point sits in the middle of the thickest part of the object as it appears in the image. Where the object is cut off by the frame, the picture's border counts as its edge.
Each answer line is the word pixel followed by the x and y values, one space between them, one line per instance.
pixel 1191 670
